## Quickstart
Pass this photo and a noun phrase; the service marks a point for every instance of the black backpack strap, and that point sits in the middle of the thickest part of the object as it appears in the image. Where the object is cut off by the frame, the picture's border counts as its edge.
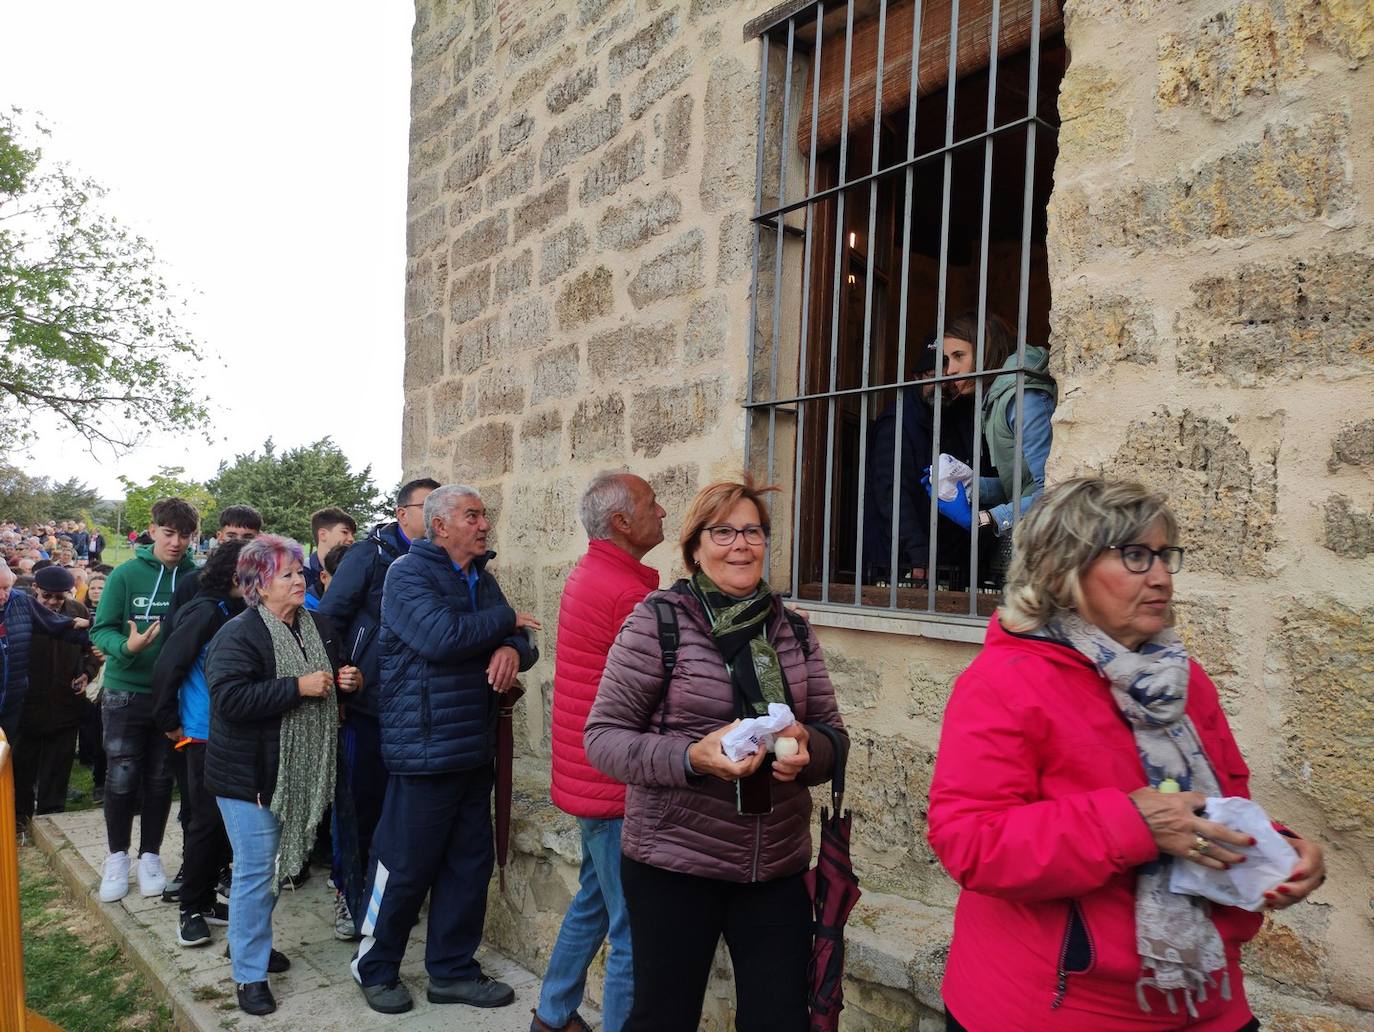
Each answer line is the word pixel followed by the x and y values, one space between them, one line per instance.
pixel 800 630
pixel 840 745
pixel 668 640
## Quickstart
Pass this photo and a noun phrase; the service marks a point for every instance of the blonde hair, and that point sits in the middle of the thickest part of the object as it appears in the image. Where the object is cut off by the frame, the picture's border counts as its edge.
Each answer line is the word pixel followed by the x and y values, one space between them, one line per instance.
pixel 714 501
pixel 1069 526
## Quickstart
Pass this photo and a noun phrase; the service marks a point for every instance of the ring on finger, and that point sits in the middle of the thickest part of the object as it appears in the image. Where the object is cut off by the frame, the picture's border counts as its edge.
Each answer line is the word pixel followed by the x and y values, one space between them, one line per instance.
pixel 1200 845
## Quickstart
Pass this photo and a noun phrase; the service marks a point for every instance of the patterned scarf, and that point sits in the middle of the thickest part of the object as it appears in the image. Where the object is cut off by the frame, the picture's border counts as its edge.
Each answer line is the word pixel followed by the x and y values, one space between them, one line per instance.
pixel 308 740
pixel 737 625
pixel 1178 944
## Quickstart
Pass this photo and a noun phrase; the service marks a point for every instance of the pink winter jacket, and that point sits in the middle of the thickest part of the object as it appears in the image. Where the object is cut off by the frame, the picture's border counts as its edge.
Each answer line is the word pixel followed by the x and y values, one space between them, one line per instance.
pixel 604 586
pixel 1029 813
pixel 637 736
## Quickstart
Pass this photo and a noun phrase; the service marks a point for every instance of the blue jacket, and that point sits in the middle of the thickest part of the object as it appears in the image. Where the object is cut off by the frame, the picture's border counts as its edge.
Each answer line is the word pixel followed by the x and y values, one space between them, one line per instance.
pixel 438 713
pixel 20 619
pixel 353 604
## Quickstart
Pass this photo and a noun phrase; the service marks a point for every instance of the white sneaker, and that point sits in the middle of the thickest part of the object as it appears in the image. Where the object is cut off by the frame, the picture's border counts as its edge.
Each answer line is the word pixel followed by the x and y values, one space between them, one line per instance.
pixel 152 879
pixel 114 878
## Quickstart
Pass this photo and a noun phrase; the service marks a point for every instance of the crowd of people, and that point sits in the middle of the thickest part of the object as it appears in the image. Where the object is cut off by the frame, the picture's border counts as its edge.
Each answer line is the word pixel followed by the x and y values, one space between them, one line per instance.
pixel 346 702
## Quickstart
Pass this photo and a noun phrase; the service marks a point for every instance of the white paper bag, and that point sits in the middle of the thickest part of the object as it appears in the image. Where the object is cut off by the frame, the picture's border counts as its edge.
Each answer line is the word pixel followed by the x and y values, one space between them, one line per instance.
pixel 952 474
pixel 1267 863
pixel 746 737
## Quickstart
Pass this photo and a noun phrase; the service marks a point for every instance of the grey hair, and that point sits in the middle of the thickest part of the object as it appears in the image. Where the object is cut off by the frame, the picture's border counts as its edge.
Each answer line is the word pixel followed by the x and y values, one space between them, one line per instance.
pixel 1069 526
pixel 606 495
pixel 443 500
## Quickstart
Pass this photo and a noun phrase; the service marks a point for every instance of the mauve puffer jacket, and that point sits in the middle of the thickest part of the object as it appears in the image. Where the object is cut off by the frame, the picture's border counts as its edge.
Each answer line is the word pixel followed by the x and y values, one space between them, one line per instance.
pixel 691 825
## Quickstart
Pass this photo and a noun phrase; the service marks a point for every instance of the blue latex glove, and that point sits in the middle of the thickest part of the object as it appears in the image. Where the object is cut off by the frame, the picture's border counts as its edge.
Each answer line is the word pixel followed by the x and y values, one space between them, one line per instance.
pixel 957 511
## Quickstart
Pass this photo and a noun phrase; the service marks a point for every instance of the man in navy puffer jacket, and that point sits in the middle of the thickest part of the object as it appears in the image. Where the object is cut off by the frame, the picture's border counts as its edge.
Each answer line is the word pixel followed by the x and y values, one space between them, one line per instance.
pixel 451 646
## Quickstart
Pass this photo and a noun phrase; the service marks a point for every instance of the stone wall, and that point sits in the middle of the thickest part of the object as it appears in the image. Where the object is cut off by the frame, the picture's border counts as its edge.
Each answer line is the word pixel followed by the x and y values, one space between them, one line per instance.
pixel 577 297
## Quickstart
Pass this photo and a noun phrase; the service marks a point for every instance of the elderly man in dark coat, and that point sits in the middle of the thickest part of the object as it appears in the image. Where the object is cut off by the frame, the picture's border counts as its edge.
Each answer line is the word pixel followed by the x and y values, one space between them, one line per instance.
pixel 451 647
pixel 21 617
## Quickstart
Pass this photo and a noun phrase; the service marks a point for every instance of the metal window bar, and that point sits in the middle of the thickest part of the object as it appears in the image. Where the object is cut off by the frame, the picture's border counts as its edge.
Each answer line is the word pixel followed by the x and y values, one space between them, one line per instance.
pixel 832 393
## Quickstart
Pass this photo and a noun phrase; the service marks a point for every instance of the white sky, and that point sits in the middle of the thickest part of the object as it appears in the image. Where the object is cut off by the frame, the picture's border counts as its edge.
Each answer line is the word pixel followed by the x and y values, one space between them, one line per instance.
pixel 261 148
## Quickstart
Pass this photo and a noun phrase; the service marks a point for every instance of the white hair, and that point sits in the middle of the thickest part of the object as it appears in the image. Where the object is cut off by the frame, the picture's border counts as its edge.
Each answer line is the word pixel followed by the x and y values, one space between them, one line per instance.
pixel 443 500
pixel 606 495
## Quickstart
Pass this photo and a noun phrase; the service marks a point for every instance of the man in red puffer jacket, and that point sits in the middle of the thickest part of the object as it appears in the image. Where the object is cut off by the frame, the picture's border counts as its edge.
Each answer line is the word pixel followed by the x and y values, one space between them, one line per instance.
pixel 623 522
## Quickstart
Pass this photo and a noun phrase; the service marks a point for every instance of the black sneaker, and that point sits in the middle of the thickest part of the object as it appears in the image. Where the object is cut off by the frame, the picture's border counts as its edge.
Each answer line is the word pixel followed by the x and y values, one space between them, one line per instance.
pixel 226 879
pixel 192 930
pixel 295 881
pixel 392 998
pixel 482 991
pixel 256 998
pixel 171 892
pixel 217 914
pixel 276 962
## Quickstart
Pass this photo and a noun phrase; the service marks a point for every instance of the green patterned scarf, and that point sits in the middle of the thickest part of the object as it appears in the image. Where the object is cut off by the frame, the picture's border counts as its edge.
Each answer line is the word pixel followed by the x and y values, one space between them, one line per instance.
pixel 737 624
pixel 309 736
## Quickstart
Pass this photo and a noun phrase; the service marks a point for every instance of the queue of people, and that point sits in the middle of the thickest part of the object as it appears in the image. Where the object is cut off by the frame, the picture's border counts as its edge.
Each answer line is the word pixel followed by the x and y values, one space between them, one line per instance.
pixel 1077 755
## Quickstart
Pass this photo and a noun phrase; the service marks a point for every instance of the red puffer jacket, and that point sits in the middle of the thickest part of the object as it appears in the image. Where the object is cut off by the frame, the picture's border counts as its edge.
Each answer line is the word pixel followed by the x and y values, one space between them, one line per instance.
pixel 603 587
pixel 640 737
pixel 1029 813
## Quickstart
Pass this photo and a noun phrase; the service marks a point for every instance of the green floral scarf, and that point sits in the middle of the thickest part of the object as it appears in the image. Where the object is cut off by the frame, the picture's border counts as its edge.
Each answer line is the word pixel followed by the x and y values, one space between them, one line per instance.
pixel 738 625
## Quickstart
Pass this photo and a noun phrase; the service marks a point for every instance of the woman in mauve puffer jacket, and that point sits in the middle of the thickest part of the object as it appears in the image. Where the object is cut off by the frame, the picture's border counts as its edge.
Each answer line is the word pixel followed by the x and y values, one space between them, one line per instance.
pixel 695 868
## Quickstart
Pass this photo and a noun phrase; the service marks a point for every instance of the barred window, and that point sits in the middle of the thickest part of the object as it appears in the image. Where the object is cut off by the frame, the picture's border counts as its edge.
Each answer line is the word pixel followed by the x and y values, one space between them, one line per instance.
pixel 901 293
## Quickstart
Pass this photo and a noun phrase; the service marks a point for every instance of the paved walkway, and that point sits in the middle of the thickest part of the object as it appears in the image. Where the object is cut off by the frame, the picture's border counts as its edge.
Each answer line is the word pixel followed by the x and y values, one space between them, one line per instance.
pixel 318 993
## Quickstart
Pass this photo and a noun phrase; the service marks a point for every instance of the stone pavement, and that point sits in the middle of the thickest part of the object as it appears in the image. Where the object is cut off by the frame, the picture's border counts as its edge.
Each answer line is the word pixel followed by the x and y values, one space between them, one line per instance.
pixel 318 993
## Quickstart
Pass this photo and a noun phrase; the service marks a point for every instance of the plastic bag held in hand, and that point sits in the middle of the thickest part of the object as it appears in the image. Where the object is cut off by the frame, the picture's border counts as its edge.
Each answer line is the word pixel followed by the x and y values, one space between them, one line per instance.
pixel 1267 863
pixel 952 474
pixel 750 734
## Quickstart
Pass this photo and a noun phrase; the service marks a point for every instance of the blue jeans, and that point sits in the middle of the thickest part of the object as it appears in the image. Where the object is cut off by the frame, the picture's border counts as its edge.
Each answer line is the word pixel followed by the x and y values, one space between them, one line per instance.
pixel 598 908
pixel 254 833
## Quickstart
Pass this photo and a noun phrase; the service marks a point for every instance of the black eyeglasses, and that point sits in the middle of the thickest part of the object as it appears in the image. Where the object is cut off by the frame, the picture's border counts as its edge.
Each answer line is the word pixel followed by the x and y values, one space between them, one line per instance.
pixel 723 534
pixel 1139 558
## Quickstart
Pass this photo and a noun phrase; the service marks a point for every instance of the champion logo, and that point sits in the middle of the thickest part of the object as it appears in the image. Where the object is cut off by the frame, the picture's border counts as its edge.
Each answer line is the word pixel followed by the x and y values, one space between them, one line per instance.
pixel 144 602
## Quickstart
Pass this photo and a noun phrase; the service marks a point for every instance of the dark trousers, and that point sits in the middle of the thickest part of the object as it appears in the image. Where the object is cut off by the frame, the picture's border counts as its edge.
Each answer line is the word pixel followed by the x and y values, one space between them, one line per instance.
pixel 90 749
pixel 139 760
pixel 365 777
pixel 434 837
pixel 206 849
pixel 176 760
pixel 676 920
pixel 42 766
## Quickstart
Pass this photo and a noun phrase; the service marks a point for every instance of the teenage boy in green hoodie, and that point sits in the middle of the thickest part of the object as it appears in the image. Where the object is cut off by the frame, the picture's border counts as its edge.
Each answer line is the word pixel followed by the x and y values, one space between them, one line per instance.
pixel 138 594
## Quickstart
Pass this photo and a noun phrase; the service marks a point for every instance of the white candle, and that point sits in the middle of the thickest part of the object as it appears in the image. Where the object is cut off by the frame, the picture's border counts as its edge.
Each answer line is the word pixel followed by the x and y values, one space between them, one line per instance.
pixel 785 747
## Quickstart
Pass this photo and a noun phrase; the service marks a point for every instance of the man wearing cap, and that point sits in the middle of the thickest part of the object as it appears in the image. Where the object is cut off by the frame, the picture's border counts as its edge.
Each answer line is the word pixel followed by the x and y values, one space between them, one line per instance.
pixel 58 672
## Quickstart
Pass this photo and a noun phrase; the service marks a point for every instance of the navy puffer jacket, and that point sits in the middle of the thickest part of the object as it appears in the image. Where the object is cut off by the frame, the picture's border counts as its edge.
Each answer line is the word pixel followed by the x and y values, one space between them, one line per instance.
pixel 438 713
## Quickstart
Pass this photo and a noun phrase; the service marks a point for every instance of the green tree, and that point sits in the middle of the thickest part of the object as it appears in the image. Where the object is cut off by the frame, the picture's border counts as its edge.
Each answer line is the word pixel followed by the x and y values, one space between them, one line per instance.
pixel 287 487
pixel 73 500
pixel 27 499
pixel 167 482
pixel 89 330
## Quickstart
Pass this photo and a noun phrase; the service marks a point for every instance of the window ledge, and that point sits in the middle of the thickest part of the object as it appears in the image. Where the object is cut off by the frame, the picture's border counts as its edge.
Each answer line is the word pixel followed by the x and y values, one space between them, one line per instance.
pixel 915 625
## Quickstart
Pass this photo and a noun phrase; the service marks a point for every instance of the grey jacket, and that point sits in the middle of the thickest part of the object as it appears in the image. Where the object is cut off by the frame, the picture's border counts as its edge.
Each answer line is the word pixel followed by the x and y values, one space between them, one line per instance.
pixel 690 824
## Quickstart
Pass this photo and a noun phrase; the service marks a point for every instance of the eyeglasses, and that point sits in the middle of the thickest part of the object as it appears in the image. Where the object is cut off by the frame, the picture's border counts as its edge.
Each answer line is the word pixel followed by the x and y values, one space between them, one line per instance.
pixel 723 534
pixel 412 505
pixel 1139 558
pixel 52 596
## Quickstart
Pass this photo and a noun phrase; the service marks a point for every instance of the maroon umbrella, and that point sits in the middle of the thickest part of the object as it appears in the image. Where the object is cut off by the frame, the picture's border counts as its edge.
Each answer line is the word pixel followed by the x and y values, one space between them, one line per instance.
pixel 834 890
pixel 505 765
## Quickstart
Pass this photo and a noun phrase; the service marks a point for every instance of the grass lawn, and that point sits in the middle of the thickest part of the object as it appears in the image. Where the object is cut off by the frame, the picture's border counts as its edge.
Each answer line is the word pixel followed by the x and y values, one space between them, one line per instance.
pixel 75 975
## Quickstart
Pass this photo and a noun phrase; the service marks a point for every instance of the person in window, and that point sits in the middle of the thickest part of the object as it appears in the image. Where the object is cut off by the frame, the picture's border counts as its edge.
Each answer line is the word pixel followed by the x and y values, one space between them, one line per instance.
pixel 1076 755
pixel 996 493
pixel 713 846
pixel 957 432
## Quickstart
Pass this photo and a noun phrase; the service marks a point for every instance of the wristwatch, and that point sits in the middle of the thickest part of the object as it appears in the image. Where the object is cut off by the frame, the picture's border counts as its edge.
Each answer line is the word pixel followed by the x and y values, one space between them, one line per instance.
pixel 984 518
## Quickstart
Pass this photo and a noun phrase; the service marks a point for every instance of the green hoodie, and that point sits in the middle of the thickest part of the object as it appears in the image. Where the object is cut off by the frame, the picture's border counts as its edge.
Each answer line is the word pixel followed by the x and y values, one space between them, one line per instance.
pixel 139 590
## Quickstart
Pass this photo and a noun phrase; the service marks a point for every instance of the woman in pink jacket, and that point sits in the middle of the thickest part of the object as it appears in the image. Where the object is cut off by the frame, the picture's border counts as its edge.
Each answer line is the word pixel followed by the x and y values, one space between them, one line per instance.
pixel 1075 759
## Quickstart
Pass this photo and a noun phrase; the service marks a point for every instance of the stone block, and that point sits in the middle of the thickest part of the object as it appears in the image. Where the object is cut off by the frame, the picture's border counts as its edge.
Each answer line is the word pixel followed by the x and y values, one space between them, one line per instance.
pixel 1349 531
pixel 623 19
pixel 561 251
pixel 730 112
pixel 677 136
pixel 703 338
pixel 513 276
pixel 543 514
pixel 542 209
pixel 449 407
pixel 514 132
pixel 588 297
pixel 484 240
pixel 628 352
pixel 589 12
pixel 556 374
pixel 660 80
pixel 637 51
pixel 476 344
pixel 541 440
pixel 423 192
pixel 736 249
pixel 626 227
pixel 433 44
pixel 426 281
pixel 424 231
pixel 1327 651
pixel 427 85
pixel 470 295
pixel 424 350
pixel 1093 124
pixel 581 134
pixel 468 165
pixel 483 453
pixel 858 683
pixel 663 417
pixel 676 270
pixel 530 324
pixel 1352 446
pixel 1205 625
pixel 1224 496
pixel 1291 956
pixel 415 424
pixel 500 389
pixel 512 179
pixel 619 165
pixel 1293 174
pixel 1281 319
pixel 531 82
pixel 428 154
pixel 465 207
pixel 438 118
pixel 568 91
pixel 597 428
pixel 474 54
pixel 1092 330
pixel 536 39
